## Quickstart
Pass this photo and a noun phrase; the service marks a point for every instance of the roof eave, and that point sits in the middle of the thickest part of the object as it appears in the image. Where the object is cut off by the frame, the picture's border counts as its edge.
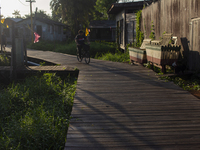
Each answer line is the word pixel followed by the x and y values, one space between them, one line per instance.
pixel 101 27
pixel 117 7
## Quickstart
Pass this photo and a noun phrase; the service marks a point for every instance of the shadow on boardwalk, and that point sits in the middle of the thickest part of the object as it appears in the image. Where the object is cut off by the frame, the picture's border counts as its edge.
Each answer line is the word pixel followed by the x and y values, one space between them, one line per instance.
pixel 118 106
pixel 123 107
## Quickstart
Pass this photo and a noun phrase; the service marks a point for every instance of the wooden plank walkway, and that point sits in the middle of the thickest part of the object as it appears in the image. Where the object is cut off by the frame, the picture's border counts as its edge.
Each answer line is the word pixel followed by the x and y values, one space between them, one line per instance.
pixel 131 109
pixel 122 107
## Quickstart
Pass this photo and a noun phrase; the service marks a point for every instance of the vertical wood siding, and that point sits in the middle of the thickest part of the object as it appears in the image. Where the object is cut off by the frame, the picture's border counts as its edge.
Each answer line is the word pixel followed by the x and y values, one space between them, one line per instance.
pixel 174 16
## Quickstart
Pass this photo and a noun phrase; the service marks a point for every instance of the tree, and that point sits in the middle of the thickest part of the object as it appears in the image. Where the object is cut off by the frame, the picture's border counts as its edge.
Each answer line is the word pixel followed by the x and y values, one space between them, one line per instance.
pixel 39 14
pixel 42 14
pixel 16 14
pixel 102 7
pixel 75 13
pixel 57 16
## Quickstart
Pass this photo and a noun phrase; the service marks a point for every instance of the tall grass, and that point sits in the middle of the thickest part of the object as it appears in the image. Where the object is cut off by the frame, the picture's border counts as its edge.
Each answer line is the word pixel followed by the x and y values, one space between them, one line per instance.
pixel 35 114
pixel 96 48
pixel 116 57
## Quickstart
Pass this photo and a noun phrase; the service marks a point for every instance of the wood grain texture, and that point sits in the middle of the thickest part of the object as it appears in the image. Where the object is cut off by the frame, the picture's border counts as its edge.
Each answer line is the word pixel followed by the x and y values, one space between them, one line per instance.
pixel 122 107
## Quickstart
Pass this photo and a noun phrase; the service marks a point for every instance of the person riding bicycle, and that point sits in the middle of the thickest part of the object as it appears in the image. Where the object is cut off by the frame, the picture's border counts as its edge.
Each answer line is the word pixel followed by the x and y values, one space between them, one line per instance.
pixel 80 41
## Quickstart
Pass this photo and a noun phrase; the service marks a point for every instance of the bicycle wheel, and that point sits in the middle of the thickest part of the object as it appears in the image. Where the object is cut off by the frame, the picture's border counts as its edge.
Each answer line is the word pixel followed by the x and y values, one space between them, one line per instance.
pixel 87 57
pixel 78 57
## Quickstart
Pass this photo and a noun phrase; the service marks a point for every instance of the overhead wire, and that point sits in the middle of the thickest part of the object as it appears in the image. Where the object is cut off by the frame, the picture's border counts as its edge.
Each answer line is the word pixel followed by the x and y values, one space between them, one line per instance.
pixel 22 3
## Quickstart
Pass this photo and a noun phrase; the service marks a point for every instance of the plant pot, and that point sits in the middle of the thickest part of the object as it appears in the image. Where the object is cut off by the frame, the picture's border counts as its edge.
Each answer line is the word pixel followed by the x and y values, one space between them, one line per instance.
pixel 137 55
pixel 162 55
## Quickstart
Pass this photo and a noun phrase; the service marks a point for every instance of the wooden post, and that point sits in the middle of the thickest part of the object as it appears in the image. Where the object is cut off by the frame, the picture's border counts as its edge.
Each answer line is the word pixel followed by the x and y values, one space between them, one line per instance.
pixel 31 1
pixel 31 22
pixel 13 54
pixel 164 69
pixel 25 51
pixel 152 65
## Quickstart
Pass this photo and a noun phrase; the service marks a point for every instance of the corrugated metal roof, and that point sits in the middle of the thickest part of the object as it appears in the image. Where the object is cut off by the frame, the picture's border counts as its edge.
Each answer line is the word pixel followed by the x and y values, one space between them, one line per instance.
pixel 45 20
pixel 15 19
pixel 137 5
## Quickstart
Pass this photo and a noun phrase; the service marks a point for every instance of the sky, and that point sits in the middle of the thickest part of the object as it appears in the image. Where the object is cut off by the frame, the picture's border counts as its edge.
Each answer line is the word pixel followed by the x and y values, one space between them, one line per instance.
pixel 8 7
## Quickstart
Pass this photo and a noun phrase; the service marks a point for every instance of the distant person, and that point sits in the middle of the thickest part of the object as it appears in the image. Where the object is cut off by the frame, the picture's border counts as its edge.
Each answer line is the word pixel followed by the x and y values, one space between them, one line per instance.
pixel 3 41
pixel 80 41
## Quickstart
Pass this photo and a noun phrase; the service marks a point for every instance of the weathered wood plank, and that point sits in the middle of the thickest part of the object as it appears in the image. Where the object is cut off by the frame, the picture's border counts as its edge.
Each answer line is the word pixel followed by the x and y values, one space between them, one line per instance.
pixel 118 106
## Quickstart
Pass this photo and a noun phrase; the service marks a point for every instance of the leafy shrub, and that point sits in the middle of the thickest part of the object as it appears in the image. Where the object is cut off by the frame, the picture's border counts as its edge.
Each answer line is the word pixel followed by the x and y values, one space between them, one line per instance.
pixel 117 57
pixel 35 114
pixel 4 61
pixel 155 69
pixel 186 82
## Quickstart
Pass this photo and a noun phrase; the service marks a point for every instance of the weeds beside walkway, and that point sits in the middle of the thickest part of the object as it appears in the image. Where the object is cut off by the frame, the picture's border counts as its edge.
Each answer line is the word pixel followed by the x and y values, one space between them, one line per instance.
pixel 35 113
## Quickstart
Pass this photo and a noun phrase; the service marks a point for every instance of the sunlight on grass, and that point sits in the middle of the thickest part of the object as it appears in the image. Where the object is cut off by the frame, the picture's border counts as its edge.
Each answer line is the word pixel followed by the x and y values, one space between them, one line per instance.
pixel 117 57
pixel 35 114
pixel 96 48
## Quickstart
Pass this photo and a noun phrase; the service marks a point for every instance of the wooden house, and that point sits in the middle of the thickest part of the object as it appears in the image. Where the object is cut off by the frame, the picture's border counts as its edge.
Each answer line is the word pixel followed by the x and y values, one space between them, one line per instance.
pixel 124 12
pixel 102 30
pixel 182 19
pixel 48 29
pixel 7 29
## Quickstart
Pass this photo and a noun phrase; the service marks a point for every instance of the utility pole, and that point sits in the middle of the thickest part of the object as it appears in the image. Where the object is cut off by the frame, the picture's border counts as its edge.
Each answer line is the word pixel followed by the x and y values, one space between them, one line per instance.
pixel 31 1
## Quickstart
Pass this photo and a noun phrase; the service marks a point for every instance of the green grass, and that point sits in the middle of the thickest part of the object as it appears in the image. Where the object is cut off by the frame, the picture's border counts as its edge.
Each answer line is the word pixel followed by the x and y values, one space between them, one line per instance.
pixel 96 48
pixel 187 82
pixel 157 69
pixel 35 113
pixel 117 57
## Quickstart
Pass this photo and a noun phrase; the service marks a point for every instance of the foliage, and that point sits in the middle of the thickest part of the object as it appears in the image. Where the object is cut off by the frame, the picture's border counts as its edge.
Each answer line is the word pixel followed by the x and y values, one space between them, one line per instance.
pixel 96 48
pixel 102 7
pixel 75 13
pixel 163 34
pixel 4 61
pixel 152 35
pixel 35 114
pixel 116 57
pixel 39 14
pixel 187 82
pixel 16 14
pixel 139 34
pixel 156 69
pixel 42 63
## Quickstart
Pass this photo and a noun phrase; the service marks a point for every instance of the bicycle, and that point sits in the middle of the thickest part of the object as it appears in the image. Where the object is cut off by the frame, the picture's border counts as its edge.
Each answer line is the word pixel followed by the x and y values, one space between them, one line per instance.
pixel 84 54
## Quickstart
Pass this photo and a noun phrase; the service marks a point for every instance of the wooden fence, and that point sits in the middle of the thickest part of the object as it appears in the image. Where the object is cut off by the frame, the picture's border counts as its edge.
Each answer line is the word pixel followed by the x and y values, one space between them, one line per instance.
pixel 180 17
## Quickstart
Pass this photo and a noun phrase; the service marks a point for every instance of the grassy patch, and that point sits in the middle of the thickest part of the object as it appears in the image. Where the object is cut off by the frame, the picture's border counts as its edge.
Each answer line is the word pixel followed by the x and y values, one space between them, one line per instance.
pixel 187 82
pixel 35 114
pixel 96 48
pixel 157 69
pixel 117 57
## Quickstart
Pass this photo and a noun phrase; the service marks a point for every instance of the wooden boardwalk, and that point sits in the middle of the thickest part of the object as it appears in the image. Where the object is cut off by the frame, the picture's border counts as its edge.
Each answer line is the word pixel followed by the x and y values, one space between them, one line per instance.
pixel 122 107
